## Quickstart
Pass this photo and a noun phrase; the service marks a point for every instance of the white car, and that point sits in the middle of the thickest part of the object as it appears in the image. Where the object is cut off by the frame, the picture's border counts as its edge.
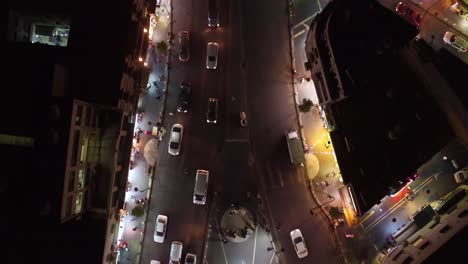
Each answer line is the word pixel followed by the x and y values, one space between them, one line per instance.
pixel 190 258
pixel 175 140
pixel 299 243
pixel 212 55
pixel 457 42
pixel 176 252
pixel 461 175
pixel 155 262
pixel 160 229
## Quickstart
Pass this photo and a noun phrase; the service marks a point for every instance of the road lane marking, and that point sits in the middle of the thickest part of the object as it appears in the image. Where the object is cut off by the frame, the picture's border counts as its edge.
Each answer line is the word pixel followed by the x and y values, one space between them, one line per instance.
pixel 304 21
pixel 365 218
pixel 399 203
pixel 281 178
pixel 269 172
pixel 255 245
pixel 298 34
pixel 221 241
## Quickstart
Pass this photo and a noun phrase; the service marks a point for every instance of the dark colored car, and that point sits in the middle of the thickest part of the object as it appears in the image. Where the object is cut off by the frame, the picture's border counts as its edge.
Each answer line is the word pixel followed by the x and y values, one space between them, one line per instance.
pixel 409 14
pixel 184 97
pixel 212 113
pixel 184 43
pixel 213 13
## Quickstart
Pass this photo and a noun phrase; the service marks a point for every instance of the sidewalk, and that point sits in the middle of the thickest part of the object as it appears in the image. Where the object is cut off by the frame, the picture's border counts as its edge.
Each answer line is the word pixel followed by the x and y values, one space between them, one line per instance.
pixel 151 103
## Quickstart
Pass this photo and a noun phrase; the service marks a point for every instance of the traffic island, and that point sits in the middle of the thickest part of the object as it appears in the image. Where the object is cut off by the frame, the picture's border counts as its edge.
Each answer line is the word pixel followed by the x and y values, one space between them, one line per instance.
pixel 237 224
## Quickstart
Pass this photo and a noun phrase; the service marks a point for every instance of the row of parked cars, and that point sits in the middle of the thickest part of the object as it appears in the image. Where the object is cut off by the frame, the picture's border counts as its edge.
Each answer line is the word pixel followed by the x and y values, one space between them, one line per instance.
pixel 413 17
pixel 175 140
pixel 199 197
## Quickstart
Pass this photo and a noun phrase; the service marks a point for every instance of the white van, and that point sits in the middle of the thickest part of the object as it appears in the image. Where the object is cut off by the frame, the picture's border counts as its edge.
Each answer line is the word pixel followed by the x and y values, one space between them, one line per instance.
pixel 176 252
pixel 201 187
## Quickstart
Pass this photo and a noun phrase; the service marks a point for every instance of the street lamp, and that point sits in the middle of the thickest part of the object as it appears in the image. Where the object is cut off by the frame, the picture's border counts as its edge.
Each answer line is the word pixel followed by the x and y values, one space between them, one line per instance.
pixel 144 190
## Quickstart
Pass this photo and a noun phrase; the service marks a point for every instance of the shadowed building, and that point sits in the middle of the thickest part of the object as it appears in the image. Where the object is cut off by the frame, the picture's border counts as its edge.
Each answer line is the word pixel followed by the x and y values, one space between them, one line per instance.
pixel 74 73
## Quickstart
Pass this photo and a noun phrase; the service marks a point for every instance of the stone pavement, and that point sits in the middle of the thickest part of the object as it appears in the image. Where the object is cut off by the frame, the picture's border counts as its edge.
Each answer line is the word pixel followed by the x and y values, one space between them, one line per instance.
pixel 151 103
pixel 254 246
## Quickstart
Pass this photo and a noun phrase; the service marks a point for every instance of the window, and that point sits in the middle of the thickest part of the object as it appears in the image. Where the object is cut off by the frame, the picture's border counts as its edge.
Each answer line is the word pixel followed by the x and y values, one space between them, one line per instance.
pixel 78 202
pixel 425 245
pixel 69 209
pixel 76 140
pixel 79 113
pixel 71 181
pixel 88 116
pixel 84 149
pixel 445 229
pixel 407 260
pixel 462 214
pixel 397 255
pixel 81 179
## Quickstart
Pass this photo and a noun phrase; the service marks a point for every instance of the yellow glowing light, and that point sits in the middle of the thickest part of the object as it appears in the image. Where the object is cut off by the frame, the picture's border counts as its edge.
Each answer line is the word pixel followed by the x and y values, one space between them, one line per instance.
pixel 140 59
pixel 145 30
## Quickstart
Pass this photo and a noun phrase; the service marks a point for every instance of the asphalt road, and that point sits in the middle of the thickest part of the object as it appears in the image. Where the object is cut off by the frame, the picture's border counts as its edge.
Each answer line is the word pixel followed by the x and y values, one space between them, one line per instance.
pixel 175 176
pixel 271 112
pixel 253 75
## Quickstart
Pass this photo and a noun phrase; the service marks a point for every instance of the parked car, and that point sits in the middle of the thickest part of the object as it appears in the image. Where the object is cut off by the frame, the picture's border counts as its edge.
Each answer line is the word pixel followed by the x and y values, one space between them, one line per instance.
pixel 175 140
pixel 155 262
pixel 160 229
pixel 299 243
pixel 456 41
pixel 190 258
pixel 409 14
pixel 212 112
pixel 212 55
pixel 176 252
pixel 461 175
pixel 184 97
pixel 200 189
pixel 184 44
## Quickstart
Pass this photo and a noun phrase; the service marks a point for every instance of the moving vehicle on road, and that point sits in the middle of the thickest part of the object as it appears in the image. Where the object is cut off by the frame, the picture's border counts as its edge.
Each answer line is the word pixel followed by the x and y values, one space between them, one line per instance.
pixel 212 55
pixel 212 112
pixel 176 252
pixel 183 105
pixel 175 141
pixel 461 175
pixel 299 243
pixel 213 14
pixel 160 229
pixel 190 258
pixel 409 14
pixel 184 44
pixel 201 187
pixel 457 42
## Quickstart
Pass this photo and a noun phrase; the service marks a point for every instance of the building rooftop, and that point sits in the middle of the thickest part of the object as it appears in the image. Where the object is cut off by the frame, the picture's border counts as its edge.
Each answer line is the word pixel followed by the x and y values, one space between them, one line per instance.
pixel 387 125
